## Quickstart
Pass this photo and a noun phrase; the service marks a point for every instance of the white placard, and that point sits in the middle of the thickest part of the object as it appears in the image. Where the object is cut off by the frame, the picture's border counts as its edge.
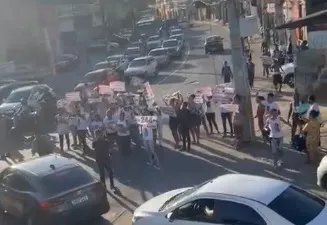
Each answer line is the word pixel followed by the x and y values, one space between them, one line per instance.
pixel 147 121
pixel 94 100
pixel 198 99
pixel 229 90
pixel 118 86
pixel 206 91
pixel 168 110
pixel 105 90
pixel 221 97
pixel 73 96
pixel 266 60
pixel 230 107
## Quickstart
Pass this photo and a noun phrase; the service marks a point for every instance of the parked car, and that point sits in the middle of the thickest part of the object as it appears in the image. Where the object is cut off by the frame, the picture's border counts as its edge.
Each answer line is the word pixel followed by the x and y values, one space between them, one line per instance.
pixel 66 62
pixel 153 42
pixel 102 65
pixel 6 81
pixel 173 47
pixel 112 47
pixel 6 89
pixel 51 190
pixel 142 66
pixel 287 72
pixel 160 55
pixel 97 77
pixel 179 37
pixel 133 52
pixel 213 43
pixel 227 200
pixel 119 39
pixel 118 62
pixel 98 46
pixel 175 32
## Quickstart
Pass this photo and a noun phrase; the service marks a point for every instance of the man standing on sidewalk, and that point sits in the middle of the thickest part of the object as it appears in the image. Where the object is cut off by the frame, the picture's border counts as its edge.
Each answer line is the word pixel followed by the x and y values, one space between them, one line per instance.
pixel 251 71
pixel 226 73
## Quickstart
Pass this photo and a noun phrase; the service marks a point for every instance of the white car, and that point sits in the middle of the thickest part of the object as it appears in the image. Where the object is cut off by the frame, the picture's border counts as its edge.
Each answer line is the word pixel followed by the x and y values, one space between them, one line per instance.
pixel 154 42
pixel 119 62
pixel 142 66
pixel 160 55
pixel 175 32
pixel 234 199
pixel 322 173
pixel 287 71
pixel 179 37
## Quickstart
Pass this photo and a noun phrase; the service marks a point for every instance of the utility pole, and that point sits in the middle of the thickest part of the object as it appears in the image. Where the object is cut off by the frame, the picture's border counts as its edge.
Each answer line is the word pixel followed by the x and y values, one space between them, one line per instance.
pixel 279 20
pixel 240 73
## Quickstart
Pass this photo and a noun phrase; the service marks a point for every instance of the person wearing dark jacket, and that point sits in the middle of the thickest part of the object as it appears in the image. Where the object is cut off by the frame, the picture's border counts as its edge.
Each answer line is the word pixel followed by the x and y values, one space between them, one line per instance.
pixel 184 117
pixel 102 157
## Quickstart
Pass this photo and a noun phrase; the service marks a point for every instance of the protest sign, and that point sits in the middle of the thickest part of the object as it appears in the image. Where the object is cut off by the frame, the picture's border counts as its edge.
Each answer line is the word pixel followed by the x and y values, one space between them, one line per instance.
pixel 229 90
pixel 118 86
pixel 230 107
pixel 136 81
pixel 168 110
pixel 148 93
pixel 105 90
pixel 93 100
pixel 147 121
pixel 198 99
pixel 206 91
pixel 221 97
pixel 73 96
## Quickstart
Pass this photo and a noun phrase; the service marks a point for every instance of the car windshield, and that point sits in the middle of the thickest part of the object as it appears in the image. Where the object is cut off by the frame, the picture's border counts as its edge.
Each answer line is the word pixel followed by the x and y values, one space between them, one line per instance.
pixel 17 96
pixel 154 38
pixel 158 52
pixel 138 63
pixel 131 51
pixel 180 196
pixel 168 44
pixel 297 206
pixel 93 77
pixel 213 39
pixel 65 180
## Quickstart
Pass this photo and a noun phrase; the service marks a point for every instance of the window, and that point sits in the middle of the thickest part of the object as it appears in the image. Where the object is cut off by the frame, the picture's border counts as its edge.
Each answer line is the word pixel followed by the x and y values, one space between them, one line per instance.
pixel 227 212
pixel 297 206
pixel 65 180
pixel 15 181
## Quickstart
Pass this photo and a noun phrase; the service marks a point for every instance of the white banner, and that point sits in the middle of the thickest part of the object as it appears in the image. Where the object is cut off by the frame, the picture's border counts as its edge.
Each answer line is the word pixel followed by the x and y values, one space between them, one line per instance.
pixel 105 90
pixel 73 96
pixel 94 100
pixel 206 91
pixel 221 97
pixel 118 86
pixel 168 110
pixel 198 99
pixel 147 121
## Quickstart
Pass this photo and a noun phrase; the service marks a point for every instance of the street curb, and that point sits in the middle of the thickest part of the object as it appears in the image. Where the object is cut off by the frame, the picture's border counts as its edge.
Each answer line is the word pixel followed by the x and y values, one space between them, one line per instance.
pixel 118 216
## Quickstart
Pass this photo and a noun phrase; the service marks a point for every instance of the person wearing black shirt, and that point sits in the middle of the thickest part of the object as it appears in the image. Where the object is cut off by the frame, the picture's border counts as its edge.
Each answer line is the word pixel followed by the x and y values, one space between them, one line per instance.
pixel 184 117
pixel 102 157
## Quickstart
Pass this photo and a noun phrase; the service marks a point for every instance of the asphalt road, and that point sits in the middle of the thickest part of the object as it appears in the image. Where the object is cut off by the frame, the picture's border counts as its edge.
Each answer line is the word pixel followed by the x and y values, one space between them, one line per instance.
pixel 138 182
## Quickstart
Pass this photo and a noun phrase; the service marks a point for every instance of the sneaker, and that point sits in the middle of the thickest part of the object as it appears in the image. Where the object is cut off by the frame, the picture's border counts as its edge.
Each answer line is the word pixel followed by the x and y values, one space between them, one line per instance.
pixel 157 167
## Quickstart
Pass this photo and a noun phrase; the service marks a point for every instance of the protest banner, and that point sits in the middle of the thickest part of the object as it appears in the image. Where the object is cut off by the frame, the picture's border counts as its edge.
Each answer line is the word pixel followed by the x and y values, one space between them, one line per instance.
pixel 206 91
pixel 105 90
pixel 147 121
pixel 230 107
pixel 136 81
pixel 118 86
pixel 221 97
pixel 198 99
pixel 93 100
pixel 170 111
pixel 229 90
pixel 73 96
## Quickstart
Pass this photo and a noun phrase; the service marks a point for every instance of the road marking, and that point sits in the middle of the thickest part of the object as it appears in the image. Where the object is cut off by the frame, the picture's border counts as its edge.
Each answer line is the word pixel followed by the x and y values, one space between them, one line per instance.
pixel 180 66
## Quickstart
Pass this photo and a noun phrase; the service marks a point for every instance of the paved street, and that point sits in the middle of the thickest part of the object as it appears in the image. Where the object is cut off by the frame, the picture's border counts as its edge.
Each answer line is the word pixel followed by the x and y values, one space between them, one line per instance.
pixel 215 156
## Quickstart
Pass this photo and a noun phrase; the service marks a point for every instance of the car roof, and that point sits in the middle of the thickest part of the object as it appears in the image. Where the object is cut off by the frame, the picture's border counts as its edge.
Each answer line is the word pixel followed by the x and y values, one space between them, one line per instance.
pixel 142 58
pixel 158 49
pixel 102 62
pixel 176 35
pixel 96 71
pixel 29 87
pixel 256 188
pixel 173 39
pixel 114 56
pixel 42 166
pixel 152 36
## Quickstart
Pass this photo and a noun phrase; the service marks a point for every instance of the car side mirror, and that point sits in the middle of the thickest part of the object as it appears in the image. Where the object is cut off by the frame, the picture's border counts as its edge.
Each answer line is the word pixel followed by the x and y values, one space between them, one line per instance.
pixel 171 216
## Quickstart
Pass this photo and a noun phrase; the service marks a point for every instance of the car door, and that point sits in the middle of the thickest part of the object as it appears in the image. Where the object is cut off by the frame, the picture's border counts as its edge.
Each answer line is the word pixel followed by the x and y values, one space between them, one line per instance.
pixel 14 193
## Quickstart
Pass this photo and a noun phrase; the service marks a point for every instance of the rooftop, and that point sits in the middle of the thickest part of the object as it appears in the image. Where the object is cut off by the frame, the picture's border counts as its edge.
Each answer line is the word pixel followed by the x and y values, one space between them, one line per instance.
pixel 260 189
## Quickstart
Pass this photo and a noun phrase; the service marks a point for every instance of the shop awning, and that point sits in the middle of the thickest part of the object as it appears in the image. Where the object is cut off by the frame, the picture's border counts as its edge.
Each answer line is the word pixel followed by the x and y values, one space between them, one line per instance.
pixel 311 19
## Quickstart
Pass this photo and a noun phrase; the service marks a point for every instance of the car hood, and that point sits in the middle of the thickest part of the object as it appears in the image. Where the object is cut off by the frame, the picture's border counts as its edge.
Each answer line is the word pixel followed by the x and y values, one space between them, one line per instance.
pixel 135 69
pixel 80 86
pixel 9 108
pixel 154 42
pixel 154 204
pixel 320 219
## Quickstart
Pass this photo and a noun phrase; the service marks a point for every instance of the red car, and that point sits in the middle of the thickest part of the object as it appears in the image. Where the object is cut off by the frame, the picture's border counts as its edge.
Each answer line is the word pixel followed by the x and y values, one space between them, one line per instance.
pixel 97 77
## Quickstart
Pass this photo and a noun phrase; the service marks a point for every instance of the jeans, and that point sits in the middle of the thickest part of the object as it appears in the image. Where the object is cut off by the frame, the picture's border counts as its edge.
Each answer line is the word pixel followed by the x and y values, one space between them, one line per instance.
pixel 211 117
pixel 105 164
pixel 135 135
pixel 149 146
pixel 61 141
pixel 186 138
pixel 277 149
pixel 227 117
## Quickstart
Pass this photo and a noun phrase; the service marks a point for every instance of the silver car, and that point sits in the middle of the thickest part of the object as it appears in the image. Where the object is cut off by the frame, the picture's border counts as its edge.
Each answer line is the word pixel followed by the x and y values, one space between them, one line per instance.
pixel 161 55
pixel 119 62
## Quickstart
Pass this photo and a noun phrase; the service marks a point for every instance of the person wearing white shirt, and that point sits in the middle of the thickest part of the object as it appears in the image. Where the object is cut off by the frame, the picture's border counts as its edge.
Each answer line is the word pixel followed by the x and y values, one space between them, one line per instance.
pixel 82 131
pixel 73 122
pixel 211 115
pixel 123 136
pixel 226 116
pixel 133 126
pixel 95 124
pixel 63 129
pixel 147 134
pixel 273 124
pixel 110 123
pixel 313 107
pixel 271 104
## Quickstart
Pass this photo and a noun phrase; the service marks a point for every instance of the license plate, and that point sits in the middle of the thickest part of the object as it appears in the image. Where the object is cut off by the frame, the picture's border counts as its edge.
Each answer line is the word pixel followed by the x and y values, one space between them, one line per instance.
pixel 80 200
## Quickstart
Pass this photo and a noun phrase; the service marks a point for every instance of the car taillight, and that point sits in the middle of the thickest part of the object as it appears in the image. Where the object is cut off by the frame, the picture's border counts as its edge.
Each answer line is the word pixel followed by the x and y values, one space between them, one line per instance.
pixel 47 205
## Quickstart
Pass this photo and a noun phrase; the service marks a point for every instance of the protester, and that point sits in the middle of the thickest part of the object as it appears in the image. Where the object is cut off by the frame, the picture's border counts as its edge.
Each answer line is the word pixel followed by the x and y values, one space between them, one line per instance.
pixel 226 73
pixel 123 136
pixel 196 116
pixel 109 123
pixel 63 129
pixel 184 118
pixel 173 121
pixel 158 113
pixel 238 121
pixel 147 134
pixel 311 131
pixel 273 125
pixel 73 123
pixel 82 131
pixel 260 115
pixel 102 149
pixel 211 115
pixel 226 116
pixel 251 72
pixel 271 104
pixel 266 62
pixel 133 127
pixel 95 124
